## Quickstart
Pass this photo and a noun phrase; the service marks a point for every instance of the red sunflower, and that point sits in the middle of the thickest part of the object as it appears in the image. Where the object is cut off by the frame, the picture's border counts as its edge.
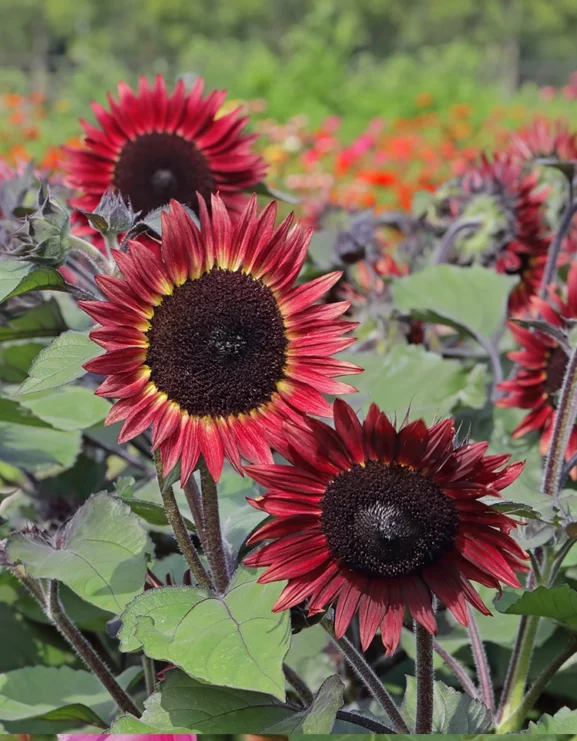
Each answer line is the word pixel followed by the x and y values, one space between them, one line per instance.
pixel 211 343
pixel 554 141
pixel 542 363
pixel 373 518
pixel 514 238
pixel 154 147
pixel 544 138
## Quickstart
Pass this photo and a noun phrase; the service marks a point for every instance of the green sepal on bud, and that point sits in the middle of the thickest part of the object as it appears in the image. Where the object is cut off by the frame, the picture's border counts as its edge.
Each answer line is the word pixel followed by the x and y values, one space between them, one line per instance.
pixel 113 215
pixel 44 238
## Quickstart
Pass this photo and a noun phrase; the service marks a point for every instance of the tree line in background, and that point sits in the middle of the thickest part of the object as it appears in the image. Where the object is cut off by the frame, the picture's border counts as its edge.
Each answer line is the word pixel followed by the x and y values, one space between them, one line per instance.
pixel 366 55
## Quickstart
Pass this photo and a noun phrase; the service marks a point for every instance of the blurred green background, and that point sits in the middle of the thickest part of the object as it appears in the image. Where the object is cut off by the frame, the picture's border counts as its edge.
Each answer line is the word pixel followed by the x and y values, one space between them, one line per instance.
pixel 356 59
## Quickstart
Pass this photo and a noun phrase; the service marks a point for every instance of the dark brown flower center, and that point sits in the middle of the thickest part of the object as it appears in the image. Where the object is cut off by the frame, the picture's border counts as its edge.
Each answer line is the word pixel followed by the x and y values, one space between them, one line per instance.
pixel 555 371
pixel 153 168
pixel 386 520
pixel 218 344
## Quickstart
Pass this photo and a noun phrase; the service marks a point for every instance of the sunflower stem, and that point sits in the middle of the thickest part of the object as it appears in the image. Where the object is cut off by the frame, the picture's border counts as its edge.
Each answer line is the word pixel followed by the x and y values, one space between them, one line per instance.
pixel 481 663
pixel 213 543
pixel 515 721
pixel 568 467
pixel 179 528
pixel 425 676
pixel 562 427
pixel 92 254
pixel 520 663
pixel 55 612
pixel 458 670
pixel 549 273
pixel 149 674
pixel 111 243
pixel 448 240
pixel 561 556
pixel 368 677
pixel 32 585
pixel 193 498
pixel 360 720
pixel 299 685
pixel 494 361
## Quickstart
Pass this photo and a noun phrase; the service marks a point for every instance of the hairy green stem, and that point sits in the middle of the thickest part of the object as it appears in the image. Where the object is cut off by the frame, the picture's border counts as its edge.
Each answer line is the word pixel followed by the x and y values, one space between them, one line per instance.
pixel 481 663
pixel 194 500
pixel 561 556
pixel 213 544
pixel 368 677
pixel 84 650
pixel 515 721
pixel 179 528
pixel 360 720
pixel 92 254
pixel 457 669
pixel 518 671
pixel 447 242
pixel 149 674
pixel 299 685
pixel 562 427
pixel 550 270
pixel 425 678
pixel 32 585
pixel 111 244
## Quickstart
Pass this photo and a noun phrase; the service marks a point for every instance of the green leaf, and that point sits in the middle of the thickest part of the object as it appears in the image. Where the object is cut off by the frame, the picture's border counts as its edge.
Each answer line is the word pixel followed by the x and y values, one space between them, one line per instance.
pixel 68 408
pixel 128 724
pixel 215 639
pixel 184 704
pixel 320 716
pixel 73 315
pixel 453 712
pixel 557 603
pixel 25 643
pixel 12 411
pixel 78 712
pixel 262 189
pixel 563 722
pixel 41 279
pixel 237 519
pixel 501 629
pixel 36 448
pixel 152 513
pixel 15 361
pixel 44 320
pixel 473 299
pixel 11 273
pixel 309 658
pixel 103 557
pixel 322 248
pixel 410 377
pixel 57 694
pixel 60 362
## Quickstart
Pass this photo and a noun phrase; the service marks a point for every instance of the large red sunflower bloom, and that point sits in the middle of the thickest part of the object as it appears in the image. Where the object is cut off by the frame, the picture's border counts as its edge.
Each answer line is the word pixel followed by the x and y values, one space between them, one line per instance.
pixel 375 518
pixel 210 342
pixel 154 147
pixel 542 364
pixel 514 238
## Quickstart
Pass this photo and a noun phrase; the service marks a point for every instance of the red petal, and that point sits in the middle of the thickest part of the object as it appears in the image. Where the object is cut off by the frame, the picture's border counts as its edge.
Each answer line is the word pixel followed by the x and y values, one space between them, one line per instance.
pixel 347 604
pixel 349 429
pixel 211 447
pixel 418 599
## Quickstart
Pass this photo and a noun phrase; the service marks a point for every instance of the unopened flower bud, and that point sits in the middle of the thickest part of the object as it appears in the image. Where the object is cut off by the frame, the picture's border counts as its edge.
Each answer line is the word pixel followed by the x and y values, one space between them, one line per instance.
pixel 113 215
pixel 44 236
